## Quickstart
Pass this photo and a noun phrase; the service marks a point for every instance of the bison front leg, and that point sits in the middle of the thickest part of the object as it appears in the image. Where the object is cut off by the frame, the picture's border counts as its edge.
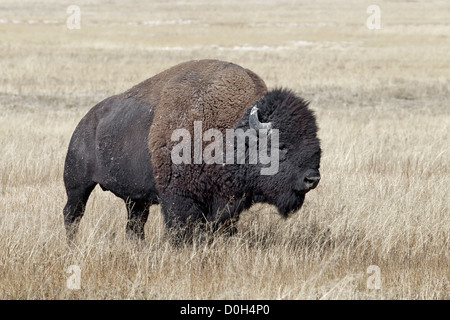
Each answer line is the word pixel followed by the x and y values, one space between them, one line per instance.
pixel 183 217
pixel 137 217
pixel 226 227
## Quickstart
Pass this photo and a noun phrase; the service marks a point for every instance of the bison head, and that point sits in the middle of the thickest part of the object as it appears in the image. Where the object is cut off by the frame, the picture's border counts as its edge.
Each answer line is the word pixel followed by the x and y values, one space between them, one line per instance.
pixel 298 147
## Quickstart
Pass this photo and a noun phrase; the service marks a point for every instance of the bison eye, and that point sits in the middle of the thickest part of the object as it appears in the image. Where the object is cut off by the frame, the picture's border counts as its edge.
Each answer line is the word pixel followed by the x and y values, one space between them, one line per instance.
pixel 283 154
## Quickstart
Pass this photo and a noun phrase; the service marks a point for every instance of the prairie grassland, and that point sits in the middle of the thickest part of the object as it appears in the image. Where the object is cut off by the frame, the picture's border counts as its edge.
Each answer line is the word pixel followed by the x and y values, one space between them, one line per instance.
pixel 382 100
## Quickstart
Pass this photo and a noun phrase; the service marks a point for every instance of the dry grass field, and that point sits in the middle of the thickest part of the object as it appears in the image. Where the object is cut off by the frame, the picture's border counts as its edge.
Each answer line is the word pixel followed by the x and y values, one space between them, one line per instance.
pixel 382 100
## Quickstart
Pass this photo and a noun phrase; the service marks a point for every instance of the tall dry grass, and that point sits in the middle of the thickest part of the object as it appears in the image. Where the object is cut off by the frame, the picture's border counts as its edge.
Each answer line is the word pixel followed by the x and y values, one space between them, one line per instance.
pixel 383 107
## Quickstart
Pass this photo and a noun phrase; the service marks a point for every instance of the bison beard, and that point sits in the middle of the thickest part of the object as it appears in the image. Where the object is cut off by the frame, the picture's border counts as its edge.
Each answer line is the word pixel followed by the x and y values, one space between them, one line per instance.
pixel 124 145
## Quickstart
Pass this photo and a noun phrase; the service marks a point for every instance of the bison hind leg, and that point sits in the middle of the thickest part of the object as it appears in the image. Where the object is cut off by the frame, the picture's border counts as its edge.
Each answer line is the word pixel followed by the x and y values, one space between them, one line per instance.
pixel 74 209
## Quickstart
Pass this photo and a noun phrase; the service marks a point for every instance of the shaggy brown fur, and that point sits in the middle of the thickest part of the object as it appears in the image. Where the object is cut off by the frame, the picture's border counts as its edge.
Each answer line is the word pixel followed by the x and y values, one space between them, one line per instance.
pixel 214 92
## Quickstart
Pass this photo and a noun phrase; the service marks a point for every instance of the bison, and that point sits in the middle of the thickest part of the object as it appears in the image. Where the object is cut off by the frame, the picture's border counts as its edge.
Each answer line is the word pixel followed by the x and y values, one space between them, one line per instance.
pixel 126 145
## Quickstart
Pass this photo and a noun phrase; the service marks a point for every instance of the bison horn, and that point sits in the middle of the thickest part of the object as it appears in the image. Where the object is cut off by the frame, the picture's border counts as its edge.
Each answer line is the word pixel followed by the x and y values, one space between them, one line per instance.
pixel 254 121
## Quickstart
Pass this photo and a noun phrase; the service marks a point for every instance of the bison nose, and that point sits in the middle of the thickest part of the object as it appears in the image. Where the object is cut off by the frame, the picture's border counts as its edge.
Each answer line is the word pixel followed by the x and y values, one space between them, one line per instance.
pixel 311 182
pixel 311 179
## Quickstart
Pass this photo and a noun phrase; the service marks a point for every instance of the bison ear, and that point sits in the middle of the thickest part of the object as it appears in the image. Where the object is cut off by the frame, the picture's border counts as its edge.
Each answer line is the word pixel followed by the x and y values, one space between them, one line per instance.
pixel 254 123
